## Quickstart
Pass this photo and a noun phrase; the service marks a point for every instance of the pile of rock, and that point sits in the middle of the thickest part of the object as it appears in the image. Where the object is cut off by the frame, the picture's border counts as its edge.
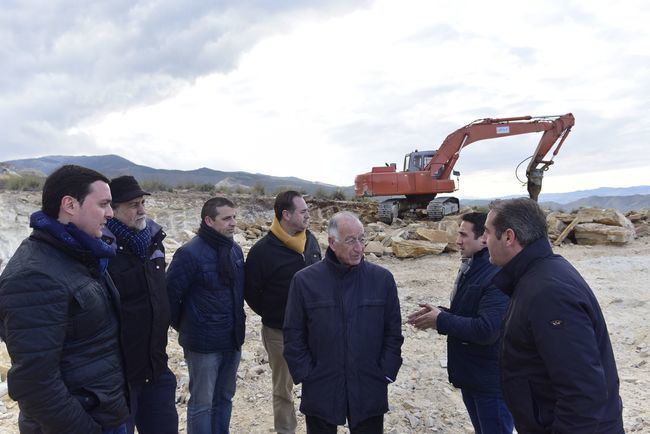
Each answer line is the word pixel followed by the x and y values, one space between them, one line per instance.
pixel 641 221
pixel 412 240
pixel 590 226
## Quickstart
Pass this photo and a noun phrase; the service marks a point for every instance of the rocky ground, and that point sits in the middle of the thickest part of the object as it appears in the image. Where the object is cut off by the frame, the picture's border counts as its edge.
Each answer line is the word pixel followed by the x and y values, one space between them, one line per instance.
pixel 421 399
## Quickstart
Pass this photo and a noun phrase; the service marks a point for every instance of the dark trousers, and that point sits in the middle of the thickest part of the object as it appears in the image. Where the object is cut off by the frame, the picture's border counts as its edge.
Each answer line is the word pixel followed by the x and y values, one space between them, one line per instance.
pixel 153 406
pixel 489 414
pixel 373 425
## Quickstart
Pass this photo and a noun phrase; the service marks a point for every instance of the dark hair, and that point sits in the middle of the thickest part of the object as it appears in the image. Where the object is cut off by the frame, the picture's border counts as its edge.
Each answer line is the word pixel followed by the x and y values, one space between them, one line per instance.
pixel 210 207
pixel 284 201
pixel 68 180
pixel 523 216
pixel 477 219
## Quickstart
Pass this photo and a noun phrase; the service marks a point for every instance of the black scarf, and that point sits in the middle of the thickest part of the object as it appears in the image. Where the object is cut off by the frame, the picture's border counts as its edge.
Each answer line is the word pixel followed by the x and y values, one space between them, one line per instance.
pixel 223 245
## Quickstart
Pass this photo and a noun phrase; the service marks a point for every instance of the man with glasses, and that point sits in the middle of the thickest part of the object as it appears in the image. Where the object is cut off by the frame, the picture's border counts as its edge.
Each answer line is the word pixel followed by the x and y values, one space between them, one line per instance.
pixel 270 265
pixel 342 334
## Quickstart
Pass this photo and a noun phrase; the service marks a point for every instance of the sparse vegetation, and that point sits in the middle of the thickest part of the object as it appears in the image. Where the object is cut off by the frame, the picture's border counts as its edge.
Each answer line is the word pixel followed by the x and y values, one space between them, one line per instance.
pixel 22 183
pixel 258 189
pixel 207 188
pixel 338 194
pixel 321 194
pixel 155 185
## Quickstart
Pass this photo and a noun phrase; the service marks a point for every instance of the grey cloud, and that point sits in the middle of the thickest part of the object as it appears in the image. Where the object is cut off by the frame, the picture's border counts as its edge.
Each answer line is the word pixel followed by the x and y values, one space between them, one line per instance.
pixel 66 60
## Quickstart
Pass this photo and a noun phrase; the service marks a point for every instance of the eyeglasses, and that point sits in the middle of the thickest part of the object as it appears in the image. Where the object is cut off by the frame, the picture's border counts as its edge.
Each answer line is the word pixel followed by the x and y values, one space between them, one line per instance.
pixel 351 240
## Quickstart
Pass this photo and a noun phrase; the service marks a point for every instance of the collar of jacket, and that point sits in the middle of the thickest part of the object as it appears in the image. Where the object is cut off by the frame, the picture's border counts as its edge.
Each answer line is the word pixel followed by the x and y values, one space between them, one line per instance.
pixel 507 278
pixel 341 269
pixel 481 256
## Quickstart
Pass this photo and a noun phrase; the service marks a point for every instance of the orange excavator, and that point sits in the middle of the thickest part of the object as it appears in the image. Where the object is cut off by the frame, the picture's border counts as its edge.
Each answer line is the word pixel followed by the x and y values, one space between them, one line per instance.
pixel 427 173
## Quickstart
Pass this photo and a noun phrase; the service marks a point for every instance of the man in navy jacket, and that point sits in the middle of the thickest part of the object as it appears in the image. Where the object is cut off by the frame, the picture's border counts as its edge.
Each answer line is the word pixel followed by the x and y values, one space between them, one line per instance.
pixel 205 283
pixel 342 334
pixel 472 325
pixel 558 371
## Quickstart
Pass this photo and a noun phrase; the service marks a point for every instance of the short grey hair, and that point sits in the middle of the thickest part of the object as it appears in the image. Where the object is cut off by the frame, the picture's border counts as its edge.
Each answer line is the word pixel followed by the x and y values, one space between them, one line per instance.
pixel 523 216
pixel 333 225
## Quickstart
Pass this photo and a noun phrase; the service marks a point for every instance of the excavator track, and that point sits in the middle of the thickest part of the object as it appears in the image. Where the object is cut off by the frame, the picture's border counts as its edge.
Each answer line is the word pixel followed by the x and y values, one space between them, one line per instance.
pixel 441 207
pixel 388 210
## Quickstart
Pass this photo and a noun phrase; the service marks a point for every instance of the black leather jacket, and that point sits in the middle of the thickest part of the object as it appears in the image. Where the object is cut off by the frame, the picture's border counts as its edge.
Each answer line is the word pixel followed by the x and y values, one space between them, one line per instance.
pixel 58 317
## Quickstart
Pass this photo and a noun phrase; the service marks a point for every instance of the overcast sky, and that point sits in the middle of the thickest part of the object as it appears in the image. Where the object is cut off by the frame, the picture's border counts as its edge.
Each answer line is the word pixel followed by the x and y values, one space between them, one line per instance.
pixel 323 90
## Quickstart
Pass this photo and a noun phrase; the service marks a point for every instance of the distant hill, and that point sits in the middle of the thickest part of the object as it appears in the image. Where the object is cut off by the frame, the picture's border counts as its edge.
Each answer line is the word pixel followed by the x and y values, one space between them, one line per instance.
pixel 622 203
pixel 565 198
pixel 114 165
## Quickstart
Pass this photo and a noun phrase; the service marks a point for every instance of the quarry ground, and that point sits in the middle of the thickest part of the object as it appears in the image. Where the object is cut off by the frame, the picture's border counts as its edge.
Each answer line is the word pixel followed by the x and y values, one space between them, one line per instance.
pixel 421 399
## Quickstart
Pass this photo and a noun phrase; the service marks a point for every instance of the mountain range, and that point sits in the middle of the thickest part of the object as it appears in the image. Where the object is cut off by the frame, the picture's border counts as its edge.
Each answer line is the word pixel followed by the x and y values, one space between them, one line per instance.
pixel 623 198
pixel 114 165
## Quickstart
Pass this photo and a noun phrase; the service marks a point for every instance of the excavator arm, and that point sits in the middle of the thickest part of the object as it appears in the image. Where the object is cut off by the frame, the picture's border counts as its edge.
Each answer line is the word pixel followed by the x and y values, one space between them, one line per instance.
pixel 555 128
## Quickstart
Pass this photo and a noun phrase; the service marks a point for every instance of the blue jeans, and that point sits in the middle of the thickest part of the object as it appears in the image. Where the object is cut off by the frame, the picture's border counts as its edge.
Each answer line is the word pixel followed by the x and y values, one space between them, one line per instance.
pixel 213 379
pixel 153 406
pixel 119 430
pixel 489 414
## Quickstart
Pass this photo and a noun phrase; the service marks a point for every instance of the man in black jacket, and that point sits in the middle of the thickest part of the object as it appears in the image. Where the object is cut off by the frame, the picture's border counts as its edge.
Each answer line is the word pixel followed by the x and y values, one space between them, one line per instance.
pixel 138 271
pixel 59 313
pixel 271 264
pixel 472 325
pixel 558 371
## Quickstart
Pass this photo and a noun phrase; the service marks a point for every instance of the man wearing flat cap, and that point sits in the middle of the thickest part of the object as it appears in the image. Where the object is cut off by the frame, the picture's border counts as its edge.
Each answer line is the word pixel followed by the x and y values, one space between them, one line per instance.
pixel 138 271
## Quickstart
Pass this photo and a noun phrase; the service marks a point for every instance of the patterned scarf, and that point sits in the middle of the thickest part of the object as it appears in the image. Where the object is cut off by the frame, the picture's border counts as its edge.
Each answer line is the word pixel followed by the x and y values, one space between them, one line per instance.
pixel 72 236
pixel 136 241
pixel 223 245
pixel 465 263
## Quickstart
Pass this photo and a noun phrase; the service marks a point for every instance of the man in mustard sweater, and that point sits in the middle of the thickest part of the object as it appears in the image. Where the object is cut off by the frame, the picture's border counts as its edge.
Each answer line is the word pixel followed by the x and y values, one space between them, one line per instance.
pixel 271 264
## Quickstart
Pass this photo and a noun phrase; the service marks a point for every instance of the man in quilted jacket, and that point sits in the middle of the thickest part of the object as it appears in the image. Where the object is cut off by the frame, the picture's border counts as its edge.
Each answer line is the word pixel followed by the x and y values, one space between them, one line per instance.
pixel 205 284
pixel 59 313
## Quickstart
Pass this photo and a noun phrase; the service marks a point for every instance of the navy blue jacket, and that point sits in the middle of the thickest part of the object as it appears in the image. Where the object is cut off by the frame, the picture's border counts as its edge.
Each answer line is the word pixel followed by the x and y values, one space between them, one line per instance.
pixel 208 315
pixel 557 365
pixel 342 338
pixel 473 325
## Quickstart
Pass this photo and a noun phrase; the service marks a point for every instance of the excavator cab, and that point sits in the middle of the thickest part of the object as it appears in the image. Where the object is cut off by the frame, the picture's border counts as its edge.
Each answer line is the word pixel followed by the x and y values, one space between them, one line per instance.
pixel 416 161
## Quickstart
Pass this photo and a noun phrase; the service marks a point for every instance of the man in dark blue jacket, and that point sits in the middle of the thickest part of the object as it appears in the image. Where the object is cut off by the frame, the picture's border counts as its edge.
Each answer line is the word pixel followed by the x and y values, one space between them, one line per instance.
pixel 558 371
pixel 205 282
pixel 472 325
pixel 342 334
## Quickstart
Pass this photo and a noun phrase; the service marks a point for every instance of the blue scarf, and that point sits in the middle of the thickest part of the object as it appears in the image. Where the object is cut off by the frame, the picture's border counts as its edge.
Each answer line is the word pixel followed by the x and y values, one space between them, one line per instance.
pixel 136 241
pixel 72 236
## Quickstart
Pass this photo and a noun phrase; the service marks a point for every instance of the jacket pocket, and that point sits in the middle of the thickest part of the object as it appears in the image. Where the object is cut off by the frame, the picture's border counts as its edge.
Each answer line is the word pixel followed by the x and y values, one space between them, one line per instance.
pixel 89 311
pixel 523 405
pixel 88 400
pixel 370 322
